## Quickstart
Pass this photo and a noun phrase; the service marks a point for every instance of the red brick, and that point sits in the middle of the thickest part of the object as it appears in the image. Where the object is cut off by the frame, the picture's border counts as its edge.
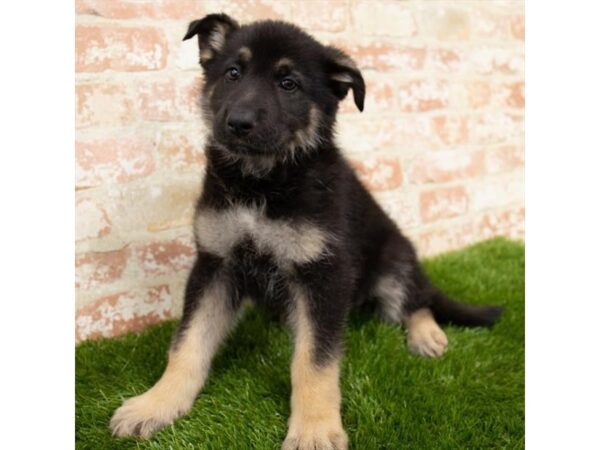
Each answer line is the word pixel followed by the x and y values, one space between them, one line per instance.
pixel 443 203
pixel 380 97
pixel 165 257
pixel 490 60
pixel 445 60
pixel 188 94
pixel 95 269
pixel 495 127
pixel 479 94
pixel 330 17
pixel 130 9
pixel 451 130
pixel 157 100
pixel 110 160
pixel 442 21
pixel 168 99
pixel 114 47
pixel 383 55
pixel 123 312
pixel 445 238
pixel 379 174
pixel 516 94
pixel 250 10
pixel 91 220
pixel 504 190
pixel 517 26
pixel 505 158
pixel 399 206
pixel 488 24
pixel 103 104
pixel 181 148
pixel 164 204
pixel 363 135
pixel 447 165
pixel 422 95
pixel 507 222
pixel 384 17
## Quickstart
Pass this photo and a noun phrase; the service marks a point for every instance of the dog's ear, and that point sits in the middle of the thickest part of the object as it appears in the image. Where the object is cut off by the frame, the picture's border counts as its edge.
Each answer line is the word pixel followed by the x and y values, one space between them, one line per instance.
pixel 212 33
pixel 344 75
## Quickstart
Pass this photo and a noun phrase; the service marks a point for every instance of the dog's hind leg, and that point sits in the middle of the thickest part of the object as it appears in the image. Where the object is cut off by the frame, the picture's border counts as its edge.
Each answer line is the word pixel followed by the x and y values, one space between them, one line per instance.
pixel 404 296
pixel 424 336
pixel 209 314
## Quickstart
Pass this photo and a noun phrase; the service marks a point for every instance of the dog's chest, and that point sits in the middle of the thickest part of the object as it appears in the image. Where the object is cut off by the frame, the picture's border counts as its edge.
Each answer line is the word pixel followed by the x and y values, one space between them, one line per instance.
pixel 221 231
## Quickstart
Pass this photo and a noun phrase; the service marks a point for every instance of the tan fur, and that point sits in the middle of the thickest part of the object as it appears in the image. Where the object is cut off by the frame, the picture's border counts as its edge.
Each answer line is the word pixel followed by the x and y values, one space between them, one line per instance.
pixel 315 422
pixel 342 77
pixel 254 165
pixel 207 115
pixel 289 242
pixel 283 62
pixel 257 165
pixel 245 54
pixel 308 137
pixel 216 39
pixel 206 54
pixel 424 335
pixel 186 372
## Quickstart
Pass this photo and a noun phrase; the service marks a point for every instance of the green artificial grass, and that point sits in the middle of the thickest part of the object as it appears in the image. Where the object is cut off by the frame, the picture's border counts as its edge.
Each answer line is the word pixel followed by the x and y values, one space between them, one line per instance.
pixel 471 398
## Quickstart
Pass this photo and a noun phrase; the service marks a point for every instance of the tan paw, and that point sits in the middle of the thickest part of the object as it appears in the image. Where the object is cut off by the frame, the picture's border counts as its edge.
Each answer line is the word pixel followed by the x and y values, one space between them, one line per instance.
pixel 145 414
pixel 318 437
pixel 428 339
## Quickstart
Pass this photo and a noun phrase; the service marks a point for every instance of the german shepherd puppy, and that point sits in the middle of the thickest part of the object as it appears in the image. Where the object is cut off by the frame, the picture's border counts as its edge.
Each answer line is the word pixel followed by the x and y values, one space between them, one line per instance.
pixel 284 221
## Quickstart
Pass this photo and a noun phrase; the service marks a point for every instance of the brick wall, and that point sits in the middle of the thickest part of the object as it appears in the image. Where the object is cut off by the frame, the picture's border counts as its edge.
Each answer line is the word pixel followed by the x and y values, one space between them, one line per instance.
pixel 440 142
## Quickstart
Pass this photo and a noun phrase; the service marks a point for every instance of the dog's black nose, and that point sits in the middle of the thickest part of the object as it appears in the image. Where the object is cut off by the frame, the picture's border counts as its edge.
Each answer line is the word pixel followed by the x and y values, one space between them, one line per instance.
pixel 241 122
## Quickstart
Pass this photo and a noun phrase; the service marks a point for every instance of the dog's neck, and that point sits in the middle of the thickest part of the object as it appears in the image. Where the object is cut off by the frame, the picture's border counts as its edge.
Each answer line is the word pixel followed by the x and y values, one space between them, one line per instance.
pixel 233 179
pixel 224 159
pixel 270 166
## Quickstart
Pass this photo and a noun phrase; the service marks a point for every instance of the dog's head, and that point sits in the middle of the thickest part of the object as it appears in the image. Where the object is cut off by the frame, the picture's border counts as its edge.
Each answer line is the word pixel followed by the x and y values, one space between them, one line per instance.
pixel 271 90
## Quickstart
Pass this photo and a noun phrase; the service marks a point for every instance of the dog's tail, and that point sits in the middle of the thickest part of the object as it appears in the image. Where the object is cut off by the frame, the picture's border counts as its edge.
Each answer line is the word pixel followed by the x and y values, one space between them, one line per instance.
pixel 446 310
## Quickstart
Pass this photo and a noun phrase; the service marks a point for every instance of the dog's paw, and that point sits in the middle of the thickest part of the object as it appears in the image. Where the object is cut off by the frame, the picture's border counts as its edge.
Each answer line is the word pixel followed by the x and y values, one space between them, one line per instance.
pixel 428 339
pixel 145 414
pixel 317 437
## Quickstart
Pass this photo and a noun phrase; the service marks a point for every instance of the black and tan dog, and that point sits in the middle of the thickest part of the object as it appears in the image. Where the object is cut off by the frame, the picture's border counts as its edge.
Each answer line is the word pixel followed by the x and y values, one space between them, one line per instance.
pixel 283 221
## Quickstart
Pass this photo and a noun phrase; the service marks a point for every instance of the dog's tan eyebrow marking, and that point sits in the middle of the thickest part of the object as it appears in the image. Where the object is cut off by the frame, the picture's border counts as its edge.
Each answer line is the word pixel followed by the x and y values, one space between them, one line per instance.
pixel 245 54
pixel 284 63
pixel 206 54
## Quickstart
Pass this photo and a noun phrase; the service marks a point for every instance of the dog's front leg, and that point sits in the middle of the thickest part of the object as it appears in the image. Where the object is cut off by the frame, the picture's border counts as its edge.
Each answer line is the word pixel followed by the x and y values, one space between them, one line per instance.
pixel 209 314
pixel 318 322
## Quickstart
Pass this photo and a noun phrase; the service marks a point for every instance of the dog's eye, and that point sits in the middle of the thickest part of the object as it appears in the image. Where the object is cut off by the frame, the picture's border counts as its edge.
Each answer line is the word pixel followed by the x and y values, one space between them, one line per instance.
pixel 233 73
pixel 288 84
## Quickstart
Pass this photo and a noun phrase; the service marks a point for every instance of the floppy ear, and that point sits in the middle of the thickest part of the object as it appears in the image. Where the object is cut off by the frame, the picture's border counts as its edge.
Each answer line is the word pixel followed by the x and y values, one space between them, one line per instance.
pixel 212 32
pixel 344 75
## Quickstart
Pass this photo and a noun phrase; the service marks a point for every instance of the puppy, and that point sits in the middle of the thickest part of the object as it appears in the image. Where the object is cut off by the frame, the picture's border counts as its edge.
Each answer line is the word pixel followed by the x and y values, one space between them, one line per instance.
pixel 284 221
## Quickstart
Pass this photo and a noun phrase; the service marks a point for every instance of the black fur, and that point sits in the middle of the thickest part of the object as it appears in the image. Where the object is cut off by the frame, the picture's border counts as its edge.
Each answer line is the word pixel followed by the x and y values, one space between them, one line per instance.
pixel 310 182
pixel 283 220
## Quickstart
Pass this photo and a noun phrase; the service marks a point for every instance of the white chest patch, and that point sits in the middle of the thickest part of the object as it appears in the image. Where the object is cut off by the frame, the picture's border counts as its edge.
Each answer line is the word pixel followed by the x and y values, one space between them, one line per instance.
pixel 219 231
